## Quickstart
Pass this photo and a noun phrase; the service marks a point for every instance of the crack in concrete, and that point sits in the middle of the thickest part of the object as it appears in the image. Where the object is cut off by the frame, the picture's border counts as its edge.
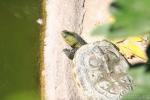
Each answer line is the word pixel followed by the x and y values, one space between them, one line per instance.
pixel 83 16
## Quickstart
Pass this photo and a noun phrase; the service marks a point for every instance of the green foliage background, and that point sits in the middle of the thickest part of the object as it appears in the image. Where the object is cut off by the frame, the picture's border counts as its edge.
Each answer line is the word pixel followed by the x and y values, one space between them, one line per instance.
pixel 132 18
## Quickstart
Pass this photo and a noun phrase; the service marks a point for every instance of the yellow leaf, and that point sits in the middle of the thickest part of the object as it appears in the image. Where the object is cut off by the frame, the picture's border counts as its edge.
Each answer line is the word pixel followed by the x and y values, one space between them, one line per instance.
pixel 132 46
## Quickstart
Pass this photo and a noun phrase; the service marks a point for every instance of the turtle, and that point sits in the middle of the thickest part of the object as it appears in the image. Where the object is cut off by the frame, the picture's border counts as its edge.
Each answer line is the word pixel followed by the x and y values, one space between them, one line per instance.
pixel 99 67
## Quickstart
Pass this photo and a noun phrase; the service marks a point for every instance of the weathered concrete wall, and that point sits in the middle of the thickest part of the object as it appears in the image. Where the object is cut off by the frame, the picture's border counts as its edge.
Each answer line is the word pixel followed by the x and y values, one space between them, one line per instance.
pixel 79 16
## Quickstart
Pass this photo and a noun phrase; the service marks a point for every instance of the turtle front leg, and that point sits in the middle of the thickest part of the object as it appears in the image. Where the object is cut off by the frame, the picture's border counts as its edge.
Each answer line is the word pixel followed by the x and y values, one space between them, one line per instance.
pixel 70 53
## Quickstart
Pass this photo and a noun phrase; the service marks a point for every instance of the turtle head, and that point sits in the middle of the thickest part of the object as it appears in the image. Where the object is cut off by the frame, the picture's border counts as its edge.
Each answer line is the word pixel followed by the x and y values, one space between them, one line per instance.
pixel 69 38
pixel 73 40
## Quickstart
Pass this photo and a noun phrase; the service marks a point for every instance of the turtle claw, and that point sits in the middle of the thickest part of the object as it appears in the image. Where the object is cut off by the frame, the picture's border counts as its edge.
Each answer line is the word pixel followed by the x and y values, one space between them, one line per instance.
pixel 69 53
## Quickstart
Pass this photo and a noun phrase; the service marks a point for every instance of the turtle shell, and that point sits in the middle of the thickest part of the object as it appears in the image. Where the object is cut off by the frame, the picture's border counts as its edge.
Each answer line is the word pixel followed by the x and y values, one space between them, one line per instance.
pixel 102 71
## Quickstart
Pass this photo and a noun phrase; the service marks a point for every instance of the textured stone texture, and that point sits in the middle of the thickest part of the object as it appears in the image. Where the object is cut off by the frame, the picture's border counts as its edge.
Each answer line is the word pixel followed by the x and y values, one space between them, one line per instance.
pixel 61 15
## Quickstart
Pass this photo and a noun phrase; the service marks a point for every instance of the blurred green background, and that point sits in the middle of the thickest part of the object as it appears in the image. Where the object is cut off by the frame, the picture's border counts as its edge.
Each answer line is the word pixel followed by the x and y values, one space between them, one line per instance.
pixel 141 90
pixel 19 50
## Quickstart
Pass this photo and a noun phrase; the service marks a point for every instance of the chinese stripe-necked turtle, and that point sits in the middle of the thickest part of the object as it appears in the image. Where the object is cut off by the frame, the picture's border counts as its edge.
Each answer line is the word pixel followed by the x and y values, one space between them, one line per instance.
pixel 101 71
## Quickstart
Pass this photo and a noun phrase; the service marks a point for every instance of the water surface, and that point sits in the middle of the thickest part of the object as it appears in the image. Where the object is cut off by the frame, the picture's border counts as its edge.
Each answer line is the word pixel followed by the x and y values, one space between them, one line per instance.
pixel 19 50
